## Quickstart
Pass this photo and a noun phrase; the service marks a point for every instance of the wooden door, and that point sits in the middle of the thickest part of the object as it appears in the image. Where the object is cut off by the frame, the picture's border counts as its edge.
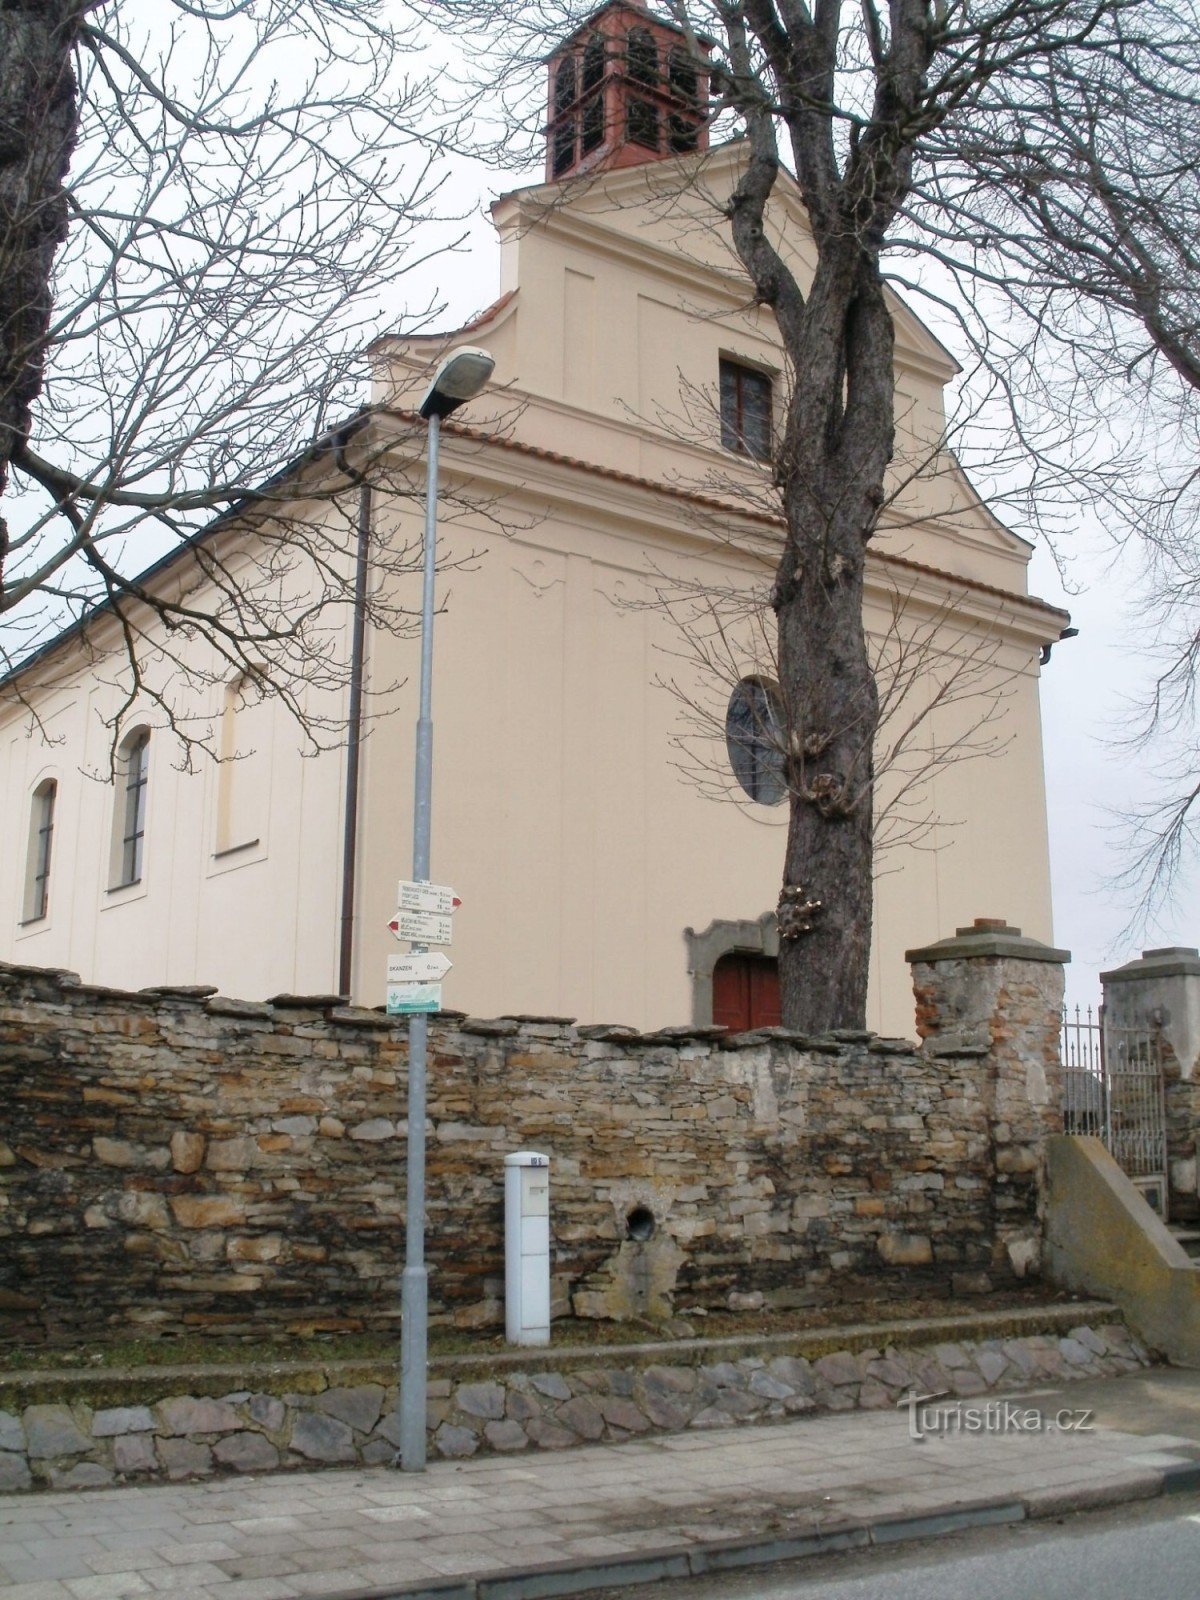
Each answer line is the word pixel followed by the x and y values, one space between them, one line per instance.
pixel 746 992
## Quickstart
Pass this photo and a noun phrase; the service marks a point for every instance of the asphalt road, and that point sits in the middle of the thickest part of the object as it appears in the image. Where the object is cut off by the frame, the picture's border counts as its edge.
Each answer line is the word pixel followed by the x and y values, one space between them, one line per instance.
pixel 1147 1551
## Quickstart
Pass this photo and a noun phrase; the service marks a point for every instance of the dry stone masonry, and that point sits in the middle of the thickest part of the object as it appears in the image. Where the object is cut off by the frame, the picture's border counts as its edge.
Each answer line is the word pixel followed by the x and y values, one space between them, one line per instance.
pixel 165 1435
pixel 992 995
pixel 1160 994
pixel 176 1162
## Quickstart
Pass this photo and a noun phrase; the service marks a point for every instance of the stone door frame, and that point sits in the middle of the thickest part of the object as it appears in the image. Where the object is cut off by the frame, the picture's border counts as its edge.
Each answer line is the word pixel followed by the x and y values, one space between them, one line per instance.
pixel 723 938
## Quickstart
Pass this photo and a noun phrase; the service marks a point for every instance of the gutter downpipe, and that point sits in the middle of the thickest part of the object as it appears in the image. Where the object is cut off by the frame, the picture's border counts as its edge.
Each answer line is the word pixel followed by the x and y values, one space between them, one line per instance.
pixel 354 741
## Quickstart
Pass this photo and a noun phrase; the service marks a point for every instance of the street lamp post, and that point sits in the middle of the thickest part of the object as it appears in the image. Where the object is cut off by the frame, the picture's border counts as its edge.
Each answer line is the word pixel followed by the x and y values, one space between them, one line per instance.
pixel 461 376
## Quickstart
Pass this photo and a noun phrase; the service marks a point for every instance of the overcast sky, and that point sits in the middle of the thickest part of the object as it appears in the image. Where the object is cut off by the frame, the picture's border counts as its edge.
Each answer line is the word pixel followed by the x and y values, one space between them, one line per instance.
pixel 1085 692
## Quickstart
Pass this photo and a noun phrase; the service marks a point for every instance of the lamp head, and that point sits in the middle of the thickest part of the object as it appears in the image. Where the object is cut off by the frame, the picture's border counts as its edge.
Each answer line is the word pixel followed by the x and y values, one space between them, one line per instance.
pixel 461 376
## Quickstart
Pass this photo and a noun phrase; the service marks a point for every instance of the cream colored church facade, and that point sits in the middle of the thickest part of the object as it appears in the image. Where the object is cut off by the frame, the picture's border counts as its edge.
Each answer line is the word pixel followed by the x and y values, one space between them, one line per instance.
pixel 604 866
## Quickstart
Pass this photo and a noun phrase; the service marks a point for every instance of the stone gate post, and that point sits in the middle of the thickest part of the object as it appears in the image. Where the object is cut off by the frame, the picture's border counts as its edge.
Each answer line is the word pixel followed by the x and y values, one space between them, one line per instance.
pixel 994 994
pixel 1162 988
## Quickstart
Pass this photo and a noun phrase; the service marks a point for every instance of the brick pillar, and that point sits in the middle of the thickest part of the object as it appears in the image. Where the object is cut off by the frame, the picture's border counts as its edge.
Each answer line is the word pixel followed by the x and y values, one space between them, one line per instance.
pixel 993 994
pixel 1161 989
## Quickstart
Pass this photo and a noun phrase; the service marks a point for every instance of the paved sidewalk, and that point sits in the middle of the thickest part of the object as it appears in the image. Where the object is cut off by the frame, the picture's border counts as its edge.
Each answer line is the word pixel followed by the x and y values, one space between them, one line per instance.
pixel 515 1527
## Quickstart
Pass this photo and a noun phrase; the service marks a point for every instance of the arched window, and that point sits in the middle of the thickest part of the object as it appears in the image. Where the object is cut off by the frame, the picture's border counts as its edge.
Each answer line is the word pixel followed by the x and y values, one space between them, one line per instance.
pixel 243 780
pixel 564 84
pixel 592 117
pixel 129 808
pixel 682 76
pixel 37 860
pixel 754 738
pixel 641 56
pixel 684 127
pixel 593 63
pixel 641 66
pixel 565 92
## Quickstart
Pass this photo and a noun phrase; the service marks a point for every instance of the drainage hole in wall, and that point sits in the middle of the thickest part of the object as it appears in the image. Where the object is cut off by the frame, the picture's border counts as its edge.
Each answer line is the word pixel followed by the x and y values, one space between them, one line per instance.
pixel 639 1224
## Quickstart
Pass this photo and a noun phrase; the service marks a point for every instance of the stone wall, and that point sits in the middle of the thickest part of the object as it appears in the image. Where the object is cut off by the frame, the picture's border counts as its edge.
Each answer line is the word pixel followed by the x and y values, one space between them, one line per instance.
pixel 1182 1104
pixel 163 1429
pixel 1160 993
pixel 172 1161
pixel 994 995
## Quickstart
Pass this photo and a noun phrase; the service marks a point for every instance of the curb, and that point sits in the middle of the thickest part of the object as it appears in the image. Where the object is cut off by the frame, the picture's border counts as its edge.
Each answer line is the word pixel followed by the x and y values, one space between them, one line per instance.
pixel 559 1579
pixel 1181 1478
pixel 1145 1484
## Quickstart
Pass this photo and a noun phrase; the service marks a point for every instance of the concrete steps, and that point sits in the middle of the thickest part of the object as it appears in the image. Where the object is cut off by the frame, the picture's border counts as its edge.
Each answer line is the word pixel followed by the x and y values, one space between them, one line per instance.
pixel 1189 1238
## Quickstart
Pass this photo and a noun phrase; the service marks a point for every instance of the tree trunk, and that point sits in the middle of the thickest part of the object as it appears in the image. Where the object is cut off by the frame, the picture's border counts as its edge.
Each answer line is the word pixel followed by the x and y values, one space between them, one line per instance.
pixel 825 909
pixel 838 442
pixel 38 121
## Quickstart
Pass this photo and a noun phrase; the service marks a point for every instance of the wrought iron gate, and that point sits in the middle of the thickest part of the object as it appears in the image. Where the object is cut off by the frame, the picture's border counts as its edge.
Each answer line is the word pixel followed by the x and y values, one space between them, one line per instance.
pixel 1113 1088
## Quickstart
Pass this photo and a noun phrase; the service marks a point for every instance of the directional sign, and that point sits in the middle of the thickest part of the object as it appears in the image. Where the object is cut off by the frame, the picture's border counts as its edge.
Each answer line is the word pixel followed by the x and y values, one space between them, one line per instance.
pixel 434 897
pixel 430 968
pixel 405 998
pixel 421 928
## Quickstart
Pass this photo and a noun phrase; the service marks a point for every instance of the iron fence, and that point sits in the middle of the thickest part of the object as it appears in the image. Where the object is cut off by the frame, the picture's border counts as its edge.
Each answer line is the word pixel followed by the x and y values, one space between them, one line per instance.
pixel 1137 1113
pixel 1084 1096
pixel 1113 1088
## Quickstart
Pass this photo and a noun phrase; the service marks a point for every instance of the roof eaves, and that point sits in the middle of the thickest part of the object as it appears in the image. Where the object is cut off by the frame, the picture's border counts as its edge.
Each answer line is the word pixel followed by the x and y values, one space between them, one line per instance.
pixel 488 315
pixel 712 503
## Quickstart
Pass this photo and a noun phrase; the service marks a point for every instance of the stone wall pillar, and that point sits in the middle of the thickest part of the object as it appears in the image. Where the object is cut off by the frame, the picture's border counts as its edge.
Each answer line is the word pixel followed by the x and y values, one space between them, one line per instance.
pixel 1161 989
pixel 993 994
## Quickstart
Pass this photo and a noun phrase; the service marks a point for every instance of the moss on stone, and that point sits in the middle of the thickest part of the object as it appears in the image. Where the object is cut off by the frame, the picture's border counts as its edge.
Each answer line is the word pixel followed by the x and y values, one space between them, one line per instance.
pixel 306 1373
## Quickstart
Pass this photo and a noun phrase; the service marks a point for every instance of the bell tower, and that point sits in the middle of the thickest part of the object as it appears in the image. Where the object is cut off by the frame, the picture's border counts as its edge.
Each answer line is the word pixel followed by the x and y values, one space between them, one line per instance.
pixel 625 88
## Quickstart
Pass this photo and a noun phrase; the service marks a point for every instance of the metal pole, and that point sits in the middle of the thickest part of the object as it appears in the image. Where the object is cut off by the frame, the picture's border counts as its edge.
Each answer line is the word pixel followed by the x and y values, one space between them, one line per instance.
pixel 414 1283
pixel 354 740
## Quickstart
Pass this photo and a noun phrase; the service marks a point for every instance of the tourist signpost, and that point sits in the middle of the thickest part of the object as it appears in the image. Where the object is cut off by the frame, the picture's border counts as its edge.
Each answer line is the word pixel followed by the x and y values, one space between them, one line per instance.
pixel 429 966
pixel 424 915
pixel 422 927
pixel 426 897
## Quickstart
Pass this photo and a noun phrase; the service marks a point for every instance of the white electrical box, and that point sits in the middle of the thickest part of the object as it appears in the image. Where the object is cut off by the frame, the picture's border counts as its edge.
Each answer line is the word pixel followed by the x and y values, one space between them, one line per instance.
pixel 527 1247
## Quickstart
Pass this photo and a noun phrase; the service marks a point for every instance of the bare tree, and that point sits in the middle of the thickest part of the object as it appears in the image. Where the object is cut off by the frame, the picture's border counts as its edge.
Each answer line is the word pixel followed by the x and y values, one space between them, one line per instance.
pixel 938 663
pixel 862 104
pixel 940 679
pixel 1062 210
pixel 1071 184
pixel 206 206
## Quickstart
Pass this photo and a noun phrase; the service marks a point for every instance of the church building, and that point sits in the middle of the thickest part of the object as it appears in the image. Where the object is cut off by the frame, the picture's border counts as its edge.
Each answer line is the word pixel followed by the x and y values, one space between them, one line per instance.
pixel 609 803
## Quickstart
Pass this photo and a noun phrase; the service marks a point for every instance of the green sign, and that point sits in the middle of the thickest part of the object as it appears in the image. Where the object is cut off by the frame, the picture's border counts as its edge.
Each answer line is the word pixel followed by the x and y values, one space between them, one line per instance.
pixel 405 998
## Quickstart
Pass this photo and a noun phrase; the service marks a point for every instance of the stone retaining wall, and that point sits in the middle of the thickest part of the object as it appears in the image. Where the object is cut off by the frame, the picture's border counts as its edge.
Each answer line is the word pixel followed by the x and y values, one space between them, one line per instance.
pixel 175 1162
pixel 177 1435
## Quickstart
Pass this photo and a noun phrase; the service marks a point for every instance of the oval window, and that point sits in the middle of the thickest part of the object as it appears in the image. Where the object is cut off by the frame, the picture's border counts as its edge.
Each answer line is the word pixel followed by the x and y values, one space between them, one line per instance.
pixel 754 737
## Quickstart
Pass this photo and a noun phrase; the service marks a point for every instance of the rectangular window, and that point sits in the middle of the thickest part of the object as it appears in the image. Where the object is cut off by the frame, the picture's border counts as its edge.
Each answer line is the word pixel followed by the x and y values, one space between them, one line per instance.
pixel 564 146
pixel 684 133
pixel 641 123
pixel 745 410
pixel 593 124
